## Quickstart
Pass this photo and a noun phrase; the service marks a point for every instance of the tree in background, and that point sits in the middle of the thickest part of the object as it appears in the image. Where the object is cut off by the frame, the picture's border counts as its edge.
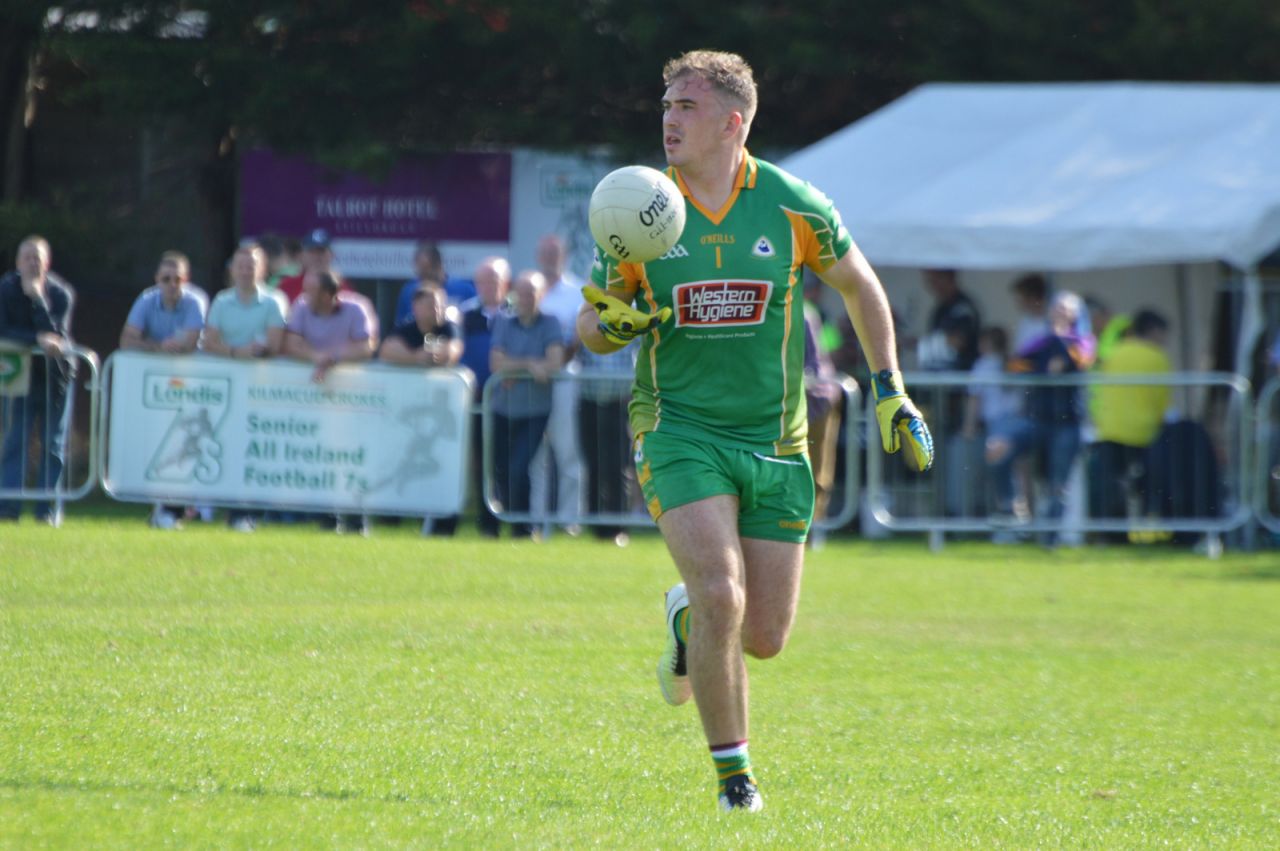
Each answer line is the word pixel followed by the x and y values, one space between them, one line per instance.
pixel 358 85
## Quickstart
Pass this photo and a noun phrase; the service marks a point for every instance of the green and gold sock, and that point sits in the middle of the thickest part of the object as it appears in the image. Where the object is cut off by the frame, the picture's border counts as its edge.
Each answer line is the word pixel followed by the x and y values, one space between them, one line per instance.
pixel 731 760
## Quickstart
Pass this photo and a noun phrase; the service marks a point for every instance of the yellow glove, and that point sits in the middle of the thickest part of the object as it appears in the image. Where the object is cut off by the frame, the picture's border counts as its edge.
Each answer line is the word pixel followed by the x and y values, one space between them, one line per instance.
pixel 900 421
pixel 620 322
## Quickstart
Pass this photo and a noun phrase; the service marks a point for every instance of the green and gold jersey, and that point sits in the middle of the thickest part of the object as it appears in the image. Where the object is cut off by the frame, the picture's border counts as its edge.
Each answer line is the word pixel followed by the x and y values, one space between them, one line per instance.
pixel 729 365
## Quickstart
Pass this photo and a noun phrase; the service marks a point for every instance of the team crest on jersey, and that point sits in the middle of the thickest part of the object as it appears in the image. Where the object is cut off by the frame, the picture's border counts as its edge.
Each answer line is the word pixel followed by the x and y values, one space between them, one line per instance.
pixel 712 303
pixel 763 247
pixel 677 250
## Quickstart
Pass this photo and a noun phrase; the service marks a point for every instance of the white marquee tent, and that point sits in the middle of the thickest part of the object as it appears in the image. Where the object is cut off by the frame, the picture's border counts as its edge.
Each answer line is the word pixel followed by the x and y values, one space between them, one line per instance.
pixel 1060 177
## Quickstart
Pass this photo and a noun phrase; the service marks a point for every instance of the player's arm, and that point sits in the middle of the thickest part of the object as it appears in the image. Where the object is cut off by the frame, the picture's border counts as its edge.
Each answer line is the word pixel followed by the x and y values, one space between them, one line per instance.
pixel 868 307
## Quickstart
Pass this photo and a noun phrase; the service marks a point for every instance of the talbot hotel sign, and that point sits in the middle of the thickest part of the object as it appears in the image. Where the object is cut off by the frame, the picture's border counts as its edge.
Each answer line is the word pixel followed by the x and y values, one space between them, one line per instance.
pixel 460 200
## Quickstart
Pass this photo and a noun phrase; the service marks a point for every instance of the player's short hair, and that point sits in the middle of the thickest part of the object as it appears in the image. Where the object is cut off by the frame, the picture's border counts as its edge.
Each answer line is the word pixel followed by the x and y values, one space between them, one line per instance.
pixel 728 73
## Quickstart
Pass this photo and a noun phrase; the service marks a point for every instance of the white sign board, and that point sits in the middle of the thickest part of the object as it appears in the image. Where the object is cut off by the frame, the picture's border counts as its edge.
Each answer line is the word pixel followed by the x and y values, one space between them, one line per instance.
pixel 392 259
pixel 371 438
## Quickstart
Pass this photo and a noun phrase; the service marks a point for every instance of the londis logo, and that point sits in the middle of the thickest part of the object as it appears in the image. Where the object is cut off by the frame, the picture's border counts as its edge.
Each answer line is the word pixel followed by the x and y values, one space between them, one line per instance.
pixel 171 391
pixel 721 302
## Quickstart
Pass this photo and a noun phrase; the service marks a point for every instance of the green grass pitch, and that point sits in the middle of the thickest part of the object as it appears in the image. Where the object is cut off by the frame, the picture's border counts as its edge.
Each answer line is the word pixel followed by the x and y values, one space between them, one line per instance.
pixel 294 689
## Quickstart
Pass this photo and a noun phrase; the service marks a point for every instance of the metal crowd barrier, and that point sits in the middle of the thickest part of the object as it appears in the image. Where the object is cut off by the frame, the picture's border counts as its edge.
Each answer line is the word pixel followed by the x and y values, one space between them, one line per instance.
pixel 37 427
pixel 1267 441
pixel 609 451
pixel 1197 480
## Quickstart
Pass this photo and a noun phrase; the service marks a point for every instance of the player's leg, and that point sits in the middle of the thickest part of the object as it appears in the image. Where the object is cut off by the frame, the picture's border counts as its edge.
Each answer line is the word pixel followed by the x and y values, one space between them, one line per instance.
pixel 773 570
pixel 703 539
pixel 774 523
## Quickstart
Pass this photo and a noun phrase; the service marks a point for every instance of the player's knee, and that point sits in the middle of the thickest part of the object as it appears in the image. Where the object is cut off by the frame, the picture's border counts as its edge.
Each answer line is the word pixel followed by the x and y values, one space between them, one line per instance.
pixel 721 600
pixel 764 643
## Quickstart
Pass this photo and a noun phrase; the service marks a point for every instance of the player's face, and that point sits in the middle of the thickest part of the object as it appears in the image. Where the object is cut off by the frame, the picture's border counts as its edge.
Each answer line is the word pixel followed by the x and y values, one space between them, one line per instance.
pixel 694 121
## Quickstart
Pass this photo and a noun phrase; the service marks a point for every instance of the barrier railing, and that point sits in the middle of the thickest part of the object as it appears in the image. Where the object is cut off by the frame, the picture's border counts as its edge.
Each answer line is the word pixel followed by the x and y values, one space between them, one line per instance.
pixel 508 441
pixel 39 458
pixel 1267 440
pixel 1195 478
pixel 1211 475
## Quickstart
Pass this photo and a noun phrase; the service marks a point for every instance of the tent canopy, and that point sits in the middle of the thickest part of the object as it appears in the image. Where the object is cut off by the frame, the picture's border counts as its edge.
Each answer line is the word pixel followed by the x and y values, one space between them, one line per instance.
pixel 1058 176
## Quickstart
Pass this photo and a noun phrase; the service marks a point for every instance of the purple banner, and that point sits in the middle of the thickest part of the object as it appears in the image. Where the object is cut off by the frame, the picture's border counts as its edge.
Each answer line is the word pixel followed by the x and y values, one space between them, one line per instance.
pixel 456 197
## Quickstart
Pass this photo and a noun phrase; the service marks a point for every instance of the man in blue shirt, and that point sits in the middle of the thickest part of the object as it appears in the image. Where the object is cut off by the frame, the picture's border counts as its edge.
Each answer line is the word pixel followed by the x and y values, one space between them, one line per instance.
pixel 167 317
pixel 530 341
pixel 428 266
pixel 479 315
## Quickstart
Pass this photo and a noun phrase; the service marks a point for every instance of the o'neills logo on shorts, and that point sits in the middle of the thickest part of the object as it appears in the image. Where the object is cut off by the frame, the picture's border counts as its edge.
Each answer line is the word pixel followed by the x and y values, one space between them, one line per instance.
pixel 721 302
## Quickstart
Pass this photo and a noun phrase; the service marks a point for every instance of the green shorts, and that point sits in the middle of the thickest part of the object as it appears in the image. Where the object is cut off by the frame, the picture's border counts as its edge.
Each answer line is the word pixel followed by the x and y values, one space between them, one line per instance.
pixel 775 493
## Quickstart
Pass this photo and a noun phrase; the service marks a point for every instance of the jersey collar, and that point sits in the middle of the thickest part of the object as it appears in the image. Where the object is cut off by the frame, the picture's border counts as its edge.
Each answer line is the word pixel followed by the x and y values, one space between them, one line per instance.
pixel 748 171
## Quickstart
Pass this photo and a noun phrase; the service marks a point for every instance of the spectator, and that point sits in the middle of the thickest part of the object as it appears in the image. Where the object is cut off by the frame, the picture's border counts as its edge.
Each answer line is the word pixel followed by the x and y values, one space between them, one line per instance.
pixel 325 330
pixel 606 439
pixel 951 345
pixel 245 321
pixel 1031 297
pixel 1051 426
pixel 317 256
pixel 825 402
pixel 952 341
pixel 1128 417
pixel 479 315
pixel 168 318
pixel 991 407
pixel 428 339
pixel 531 341
pixel 35 311
pixel 990 411
pixel 428 265
pixel 1107 325
pixel 283 260
pixel 558 459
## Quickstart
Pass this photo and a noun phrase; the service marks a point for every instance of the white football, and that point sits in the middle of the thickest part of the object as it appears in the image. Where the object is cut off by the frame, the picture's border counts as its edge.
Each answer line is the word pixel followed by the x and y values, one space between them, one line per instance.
pixel 636 214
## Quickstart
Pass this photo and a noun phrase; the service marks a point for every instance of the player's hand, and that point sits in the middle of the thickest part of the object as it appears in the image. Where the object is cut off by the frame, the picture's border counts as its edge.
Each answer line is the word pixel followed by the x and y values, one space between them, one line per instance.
pixel 900 421
pixel 620 322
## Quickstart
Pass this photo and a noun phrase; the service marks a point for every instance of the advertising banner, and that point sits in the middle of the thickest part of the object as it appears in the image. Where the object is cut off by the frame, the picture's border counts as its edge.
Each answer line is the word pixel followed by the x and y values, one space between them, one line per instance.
pixel 370 439
pixel 15 369
pixel 456 199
